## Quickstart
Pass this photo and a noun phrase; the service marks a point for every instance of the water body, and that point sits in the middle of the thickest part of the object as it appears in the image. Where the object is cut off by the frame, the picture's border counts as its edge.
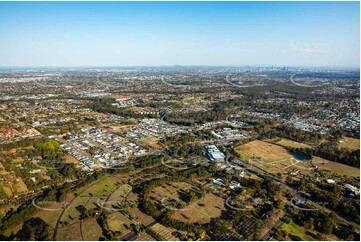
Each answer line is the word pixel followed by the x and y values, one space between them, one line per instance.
pixel 301 157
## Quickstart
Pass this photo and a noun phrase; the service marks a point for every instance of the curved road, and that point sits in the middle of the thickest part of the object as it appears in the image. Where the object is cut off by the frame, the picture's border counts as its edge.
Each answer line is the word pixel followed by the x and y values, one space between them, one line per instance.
pixel 301 85
pixel 238 85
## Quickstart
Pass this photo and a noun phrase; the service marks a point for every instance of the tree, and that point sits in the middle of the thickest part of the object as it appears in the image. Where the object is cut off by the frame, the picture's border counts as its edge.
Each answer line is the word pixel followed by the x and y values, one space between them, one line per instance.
pixel 309 223
pixel 328 225
pixel 227 185
pixel 34 229
pixel 336 191
pixel 280 204
pixel 192 196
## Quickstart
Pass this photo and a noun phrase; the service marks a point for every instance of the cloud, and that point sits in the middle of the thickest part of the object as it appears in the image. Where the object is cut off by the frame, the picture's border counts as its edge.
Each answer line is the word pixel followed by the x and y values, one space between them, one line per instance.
pixel 305 48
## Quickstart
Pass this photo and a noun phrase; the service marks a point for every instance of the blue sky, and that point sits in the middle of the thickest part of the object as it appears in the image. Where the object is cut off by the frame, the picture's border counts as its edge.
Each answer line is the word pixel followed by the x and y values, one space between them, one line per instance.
pixel 179 33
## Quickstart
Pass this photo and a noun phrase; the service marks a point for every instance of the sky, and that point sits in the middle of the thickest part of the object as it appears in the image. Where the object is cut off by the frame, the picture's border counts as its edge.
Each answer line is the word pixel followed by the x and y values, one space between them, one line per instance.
pixel 308 34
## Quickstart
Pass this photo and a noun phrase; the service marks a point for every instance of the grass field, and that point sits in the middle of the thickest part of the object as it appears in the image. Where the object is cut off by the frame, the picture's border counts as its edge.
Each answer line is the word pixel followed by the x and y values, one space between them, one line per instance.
pixel 263 151
pixel 293 144
pixel 13 187
pixel 91 230
pixel 295 231
pixel 92 202
pixel 350 143
pixel 336 167
pixel 121 193
pixel 283 167
pixel 145 237
pixel 70 232
pixel 202 211
pixel 50 217
pixel 141 217
pixel 101 187
pixel 20 186
pixel 13 229
pixel 150 141
pixel 97 190
pixel 5 208
pixel 171 191
pixel 18 160
pixel 71 159
pixel 165 232
pixel 118 222
pixel 71 214
pixel 7 190
pixel 272 158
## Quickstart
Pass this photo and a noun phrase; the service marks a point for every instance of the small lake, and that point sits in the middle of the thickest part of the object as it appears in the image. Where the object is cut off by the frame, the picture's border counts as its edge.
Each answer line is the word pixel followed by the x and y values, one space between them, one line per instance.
pixel 301 157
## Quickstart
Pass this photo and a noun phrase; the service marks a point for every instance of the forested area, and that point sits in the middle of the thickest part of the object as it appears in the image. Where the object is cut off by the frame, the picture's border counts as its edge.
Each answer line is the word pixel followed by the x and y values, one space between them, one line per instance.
pixel 331 151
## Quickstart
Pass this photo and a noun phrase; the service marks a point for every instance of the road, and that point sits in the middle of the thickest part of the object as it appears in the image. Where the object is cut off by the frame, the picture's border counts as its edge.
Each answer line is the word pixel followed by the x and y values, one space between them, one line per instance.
pixel 67 205
pixel 20 198
pixel 107 86
pixel 83 153
pixel 94 142
pixel 237 85
pixel 294 191
pixel 301 85
pixel 170 84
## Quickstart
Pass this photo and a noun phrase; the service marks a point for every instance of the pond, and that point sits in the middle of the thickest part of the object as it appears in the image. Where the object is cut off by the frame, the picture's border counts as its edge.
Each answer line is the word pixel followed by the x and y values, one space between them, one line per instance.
pixel 301 157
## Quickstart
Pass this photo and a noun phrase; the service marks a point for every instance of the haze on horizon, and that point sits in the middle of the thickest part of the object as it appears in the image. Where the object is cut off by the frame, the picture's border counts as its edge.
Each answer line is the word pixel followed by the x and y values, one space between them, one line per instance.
pixel 322 34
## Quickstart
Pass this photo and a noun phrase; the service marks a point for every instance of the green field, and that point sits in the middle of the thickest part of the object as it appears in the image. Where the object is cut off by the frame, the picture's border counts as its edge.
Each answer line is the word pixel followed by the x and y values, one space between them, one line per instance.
pixel 50 217
pixel 71 214
pixel 295 231
pixel 101 187
pixel 121 193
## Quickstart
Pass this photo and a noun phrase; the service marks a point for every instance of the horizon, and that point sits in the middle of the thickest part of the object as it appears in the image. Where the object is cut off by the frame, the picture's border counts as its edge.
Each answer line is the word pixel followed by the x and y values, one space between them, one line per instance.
pixel 203 66
pixel 128 34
